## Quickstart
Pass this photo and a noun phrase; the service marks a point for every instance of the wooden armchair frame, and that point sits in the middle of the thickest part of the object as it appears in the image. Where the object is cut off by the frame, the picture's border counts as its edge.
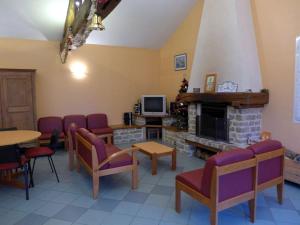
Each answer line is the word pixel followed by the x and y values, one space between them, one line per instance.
pixel 108 137
pixel 95 171
pixel 279 181
pixel 71 150
pixel 213 202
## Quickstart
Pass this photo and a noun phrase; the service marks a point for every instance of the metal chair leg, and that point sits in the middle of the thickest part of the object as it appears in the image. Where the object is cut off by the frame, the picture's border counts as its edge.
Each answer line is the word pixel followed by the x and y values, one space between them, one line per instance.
pixel 25 168
pixel 54 169
pixel 30 174
pixel 50 164
pixel 33 165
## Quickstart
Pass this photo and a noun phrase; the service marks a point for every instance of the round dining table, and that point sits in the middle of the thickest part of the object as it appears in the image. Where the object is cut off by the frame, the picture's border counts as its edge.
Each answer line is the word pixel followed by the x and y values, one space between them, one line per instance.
pixel 11 138
pixel 17 136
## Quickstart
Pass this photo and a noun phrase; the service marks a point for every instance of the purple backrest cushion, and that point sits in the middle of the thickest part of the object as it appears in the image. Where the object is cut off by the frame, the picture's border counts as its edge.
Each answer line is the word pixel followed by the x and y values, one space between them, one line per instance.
pixel 95 121
pixel 83 132
pixel 271 168
pixel 50 123
pixel 265 146
pixel 79 120
pixel 72 130
pixel 232 184
pixel 82 150
pixel 99 145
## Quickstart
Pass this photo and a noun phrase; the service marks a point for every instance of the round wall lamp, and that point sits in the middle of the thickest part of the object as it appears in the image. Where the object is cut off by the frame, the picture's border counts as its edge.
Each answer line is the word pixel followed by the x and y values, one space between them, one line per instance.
pixel 78 70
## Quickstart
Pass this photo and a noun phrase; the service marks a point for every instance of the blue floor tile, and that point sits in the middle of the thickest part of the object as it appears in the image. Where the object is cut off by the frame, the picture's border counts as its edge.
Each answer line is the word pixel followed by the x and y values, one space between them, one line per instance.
pixel 117 219
pixel 285 215
pixel 273 203
pixel 136 197
pixel 162 190
pixel 70 213
pixel 33 219
pixel 107 205
pixel 70 201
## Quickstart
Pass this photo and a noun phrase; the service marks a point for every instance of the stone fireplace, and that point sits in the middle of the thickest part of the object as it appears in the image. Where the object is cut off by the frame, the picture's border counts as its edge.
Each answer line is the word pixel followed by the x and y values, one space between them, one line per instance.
pixel 237 128
pixel 229 120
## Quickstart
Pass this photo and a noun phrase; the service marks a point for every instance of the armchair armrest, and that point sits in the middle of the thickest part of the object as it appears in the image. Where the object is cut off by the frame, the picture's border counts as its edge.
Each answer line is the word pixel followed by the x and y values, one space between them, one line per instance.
pixel 118 154
pixel 108 136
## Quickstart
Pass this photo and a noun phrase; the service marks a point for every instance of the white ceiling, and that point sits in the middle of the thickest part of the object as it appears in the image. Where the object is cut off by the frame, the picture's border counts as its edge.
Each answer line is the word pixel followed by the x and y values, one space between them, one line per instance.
pixel 134 23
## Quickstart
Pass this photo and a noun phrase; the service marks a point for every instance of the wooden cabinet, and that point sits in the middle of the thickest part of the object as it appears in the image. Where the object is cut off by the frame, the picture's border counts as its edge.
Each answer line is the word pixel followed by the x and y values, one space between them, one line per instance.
pixel 17 95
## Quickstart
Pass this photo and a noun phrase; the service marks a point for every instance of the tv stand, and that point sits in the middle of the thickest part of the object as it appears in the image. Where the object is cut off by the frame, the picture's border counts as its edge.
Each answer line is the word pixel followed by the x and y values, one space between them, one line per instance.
pixel 153 124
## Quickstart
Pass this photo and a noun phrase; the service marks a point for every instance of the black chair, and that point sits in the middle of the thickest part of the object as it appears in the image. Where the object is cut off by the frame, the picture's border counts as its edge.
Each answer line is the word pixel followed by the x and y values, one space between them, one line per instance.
pixel 11 158
pixel 44 151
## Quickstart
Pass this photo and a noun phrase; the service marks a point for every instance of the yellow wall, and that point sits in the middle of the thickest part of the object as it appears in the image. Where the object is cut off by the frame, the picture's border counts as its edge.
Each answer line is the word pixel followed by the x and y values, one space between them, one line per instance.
pixel 116 77
pixel 182 41
pixel 277 26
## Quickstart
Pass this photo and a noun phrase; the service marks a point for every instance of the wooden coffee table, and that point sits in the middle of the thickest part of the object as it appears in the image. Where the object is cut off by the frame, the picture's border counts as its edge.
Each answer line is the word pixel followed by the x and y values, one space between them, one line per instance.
pixel 156 150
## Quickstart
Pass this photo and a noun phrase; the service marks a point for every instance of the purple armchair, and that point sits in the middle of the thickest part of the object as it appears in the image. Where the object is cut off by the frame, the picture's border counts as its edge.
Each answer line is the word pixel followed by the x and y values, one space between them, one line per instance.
pixel 97 124
pixel 227 179
pixel 46 125
pixel 101 160
pixel 79 120
pixel 270 158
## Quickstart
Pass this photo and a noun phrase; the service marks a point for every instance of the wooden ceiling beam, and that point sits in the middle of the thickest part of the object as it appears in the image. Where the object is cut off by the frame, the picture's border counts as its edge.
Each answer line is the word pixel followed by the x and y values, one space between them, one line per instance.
pixel 78 21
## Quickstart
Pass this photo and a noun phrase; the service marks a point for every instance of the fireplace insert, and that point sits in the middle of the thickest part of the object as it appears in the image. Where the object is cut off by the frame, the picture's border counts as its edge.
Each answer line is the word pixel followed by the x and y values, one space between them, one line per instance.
pixel 213 122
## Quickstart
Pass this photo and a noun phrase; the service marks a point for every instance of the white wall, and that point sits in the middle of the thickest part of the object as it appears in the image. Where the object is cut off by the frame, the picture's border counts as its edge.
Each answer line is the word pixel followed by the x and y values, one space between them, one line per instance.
pixel 226 45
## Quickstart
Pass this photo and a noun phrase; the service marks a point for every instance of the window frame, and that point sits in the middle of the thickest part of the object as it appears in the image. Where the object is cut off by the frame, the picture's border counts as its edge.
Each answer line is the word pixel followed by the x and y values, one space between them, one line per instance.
pixel 296 114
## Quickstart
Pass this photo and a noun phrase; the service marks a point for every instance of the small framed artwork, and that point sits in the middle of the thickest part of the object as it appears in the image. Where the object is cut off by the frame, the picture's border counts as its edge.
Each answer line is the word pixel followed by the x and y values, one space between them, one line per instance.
pixel 227 86
pixel 210 83
pixel 180 62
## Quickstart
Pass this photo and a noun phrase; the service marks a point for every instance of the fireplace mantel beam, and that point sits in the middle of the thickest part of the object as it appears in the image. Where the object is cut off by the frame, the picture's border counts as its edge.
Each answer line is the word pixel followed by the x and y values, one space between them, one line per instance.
pixel 236 100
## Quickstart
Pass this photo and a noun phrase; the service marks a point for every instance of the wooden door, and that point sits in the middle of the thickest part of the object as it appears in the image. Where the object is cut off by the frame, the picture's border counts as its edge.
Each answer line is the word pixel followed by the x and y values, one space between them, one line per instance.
pixel 17 99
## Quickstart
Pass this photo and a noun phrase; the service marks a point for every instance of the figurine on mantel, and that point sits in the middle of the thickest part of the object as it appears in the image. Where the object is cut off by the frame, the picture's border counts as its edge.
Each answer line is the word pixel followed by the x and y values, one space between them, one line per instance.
pixel 181 108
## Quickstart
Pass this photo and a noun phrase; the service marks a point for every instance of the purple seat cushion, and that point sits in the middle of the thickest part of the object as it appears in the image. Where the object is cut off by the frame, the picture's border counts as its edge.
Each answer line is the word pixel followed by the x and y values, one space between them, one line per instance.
pixel 48 124
pixel 123 160
pixel 47 136
pixel 232 184
pixel 96 121
pixel 101 131
pixel 192 179
pixel 9 166
pixel 38 152
pixel 79 120
pixel 268 169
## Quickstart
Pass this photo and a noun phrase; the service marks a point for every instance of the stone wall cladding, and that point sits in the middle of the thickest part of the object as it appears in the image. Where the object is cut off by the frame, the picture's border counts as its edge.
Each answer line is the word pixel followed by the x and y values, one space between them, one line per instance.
pixel 244 124
pixel 122 136
pixel 192 111
pixel 177 140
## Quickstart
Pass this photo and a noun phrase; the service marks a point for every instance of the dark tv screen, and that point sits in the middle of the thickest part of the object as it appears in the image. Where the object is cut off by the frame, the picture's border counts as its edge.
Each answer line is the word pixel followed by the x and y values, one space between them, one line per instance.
pixel 153 104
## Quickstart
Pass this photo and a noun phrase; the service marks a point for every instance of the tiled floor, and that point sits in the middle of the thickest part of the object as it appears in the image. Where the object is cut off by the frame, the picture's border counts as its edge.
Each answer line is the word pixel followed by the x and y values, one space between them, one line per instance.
pixel 70 202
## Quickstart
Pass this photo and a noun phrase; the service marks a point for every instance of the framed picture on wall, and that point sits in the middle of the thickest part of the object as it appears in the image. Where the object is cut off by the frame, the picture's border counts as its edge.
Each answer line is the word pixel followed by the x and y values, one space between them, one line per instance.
pixel 180 62
pixel 210 83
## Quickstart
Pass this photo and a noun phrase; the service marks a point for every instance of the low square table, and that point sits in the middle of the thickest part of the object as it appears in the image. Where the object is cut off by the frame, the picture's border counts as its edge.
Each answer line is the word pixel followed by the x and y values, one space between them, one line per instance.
pixel 156 150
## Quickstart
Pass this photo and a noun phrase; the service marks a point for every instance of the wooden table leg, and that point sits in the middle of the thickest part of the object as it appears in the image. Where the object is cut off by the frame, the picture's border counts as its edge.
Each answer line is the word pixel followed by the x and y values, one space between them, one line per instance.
pixel 173 160
pixel 154 164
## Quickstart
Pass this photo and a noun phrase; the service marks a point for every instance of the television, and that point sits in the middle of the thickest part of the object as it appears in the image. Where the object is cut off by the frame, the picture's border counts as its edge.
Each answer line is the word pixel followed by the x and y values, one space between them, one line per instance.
pixel 153 105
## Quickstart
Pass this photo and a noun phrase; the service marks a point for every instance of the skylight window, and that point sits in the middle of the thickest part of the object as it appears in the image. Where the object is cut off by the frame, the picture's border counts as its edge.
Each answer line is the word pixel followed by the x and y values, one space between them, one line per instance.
pixel 297 83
